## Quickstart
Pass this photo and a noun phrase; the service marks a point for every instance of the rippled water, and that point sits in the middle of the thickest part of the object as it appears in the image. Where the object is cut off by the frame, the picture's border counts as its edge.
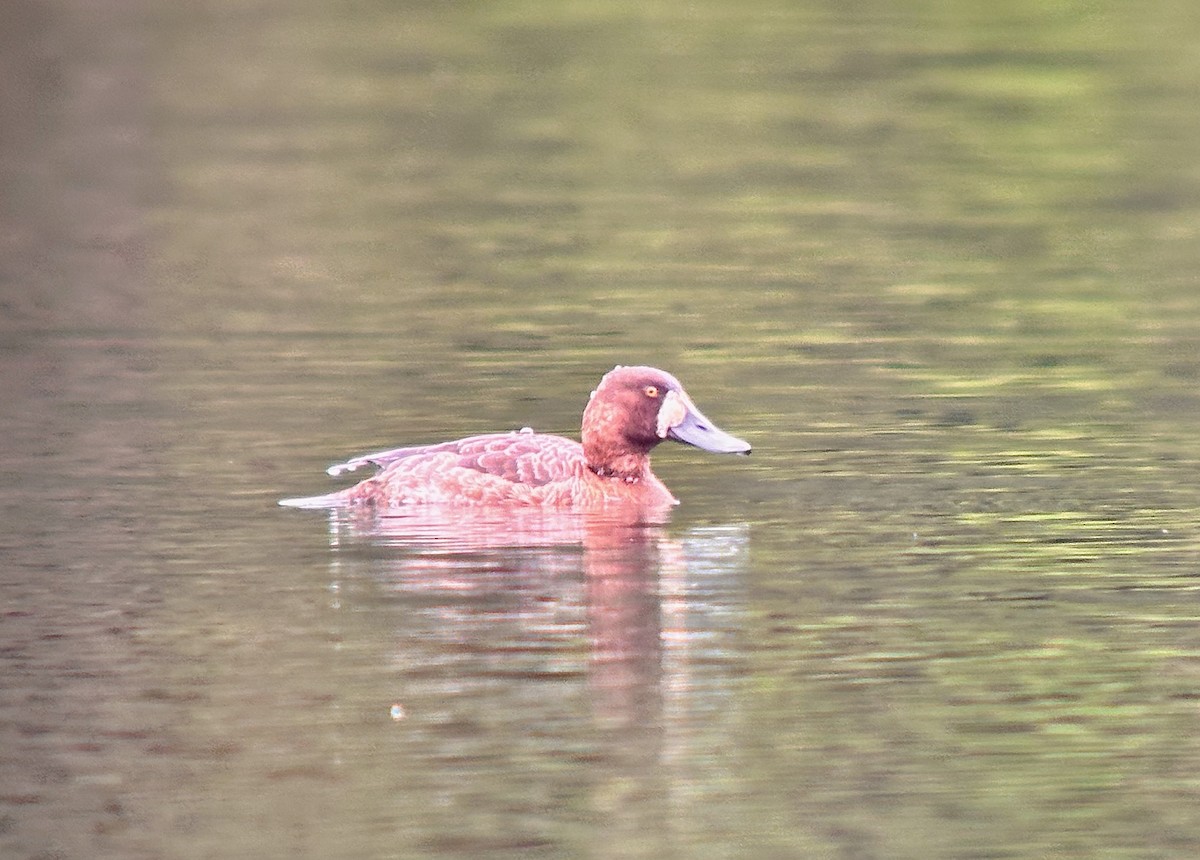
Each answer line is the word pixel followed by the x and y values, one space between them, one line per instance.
pixel 936 264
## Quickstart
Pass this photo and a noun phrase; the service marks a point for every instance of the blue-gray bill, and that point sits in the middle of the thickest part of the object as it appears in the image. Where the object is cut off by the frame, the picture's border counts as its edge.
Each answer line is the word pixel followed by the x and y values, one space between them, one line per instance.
pixel 697 430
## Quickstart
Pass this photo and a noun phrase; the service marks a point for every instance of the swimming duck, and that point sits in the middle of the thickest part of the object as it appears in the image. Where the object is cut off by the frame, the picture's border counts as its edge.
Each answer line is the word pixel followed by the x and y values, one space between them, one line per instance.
pixel 629 413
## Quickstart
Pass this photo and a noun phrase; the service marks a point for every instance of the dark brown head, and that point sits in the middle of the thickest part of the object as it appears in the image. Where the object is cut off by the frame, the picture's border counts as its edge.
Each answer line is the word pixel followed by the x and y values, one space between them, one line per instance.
pixel 635 408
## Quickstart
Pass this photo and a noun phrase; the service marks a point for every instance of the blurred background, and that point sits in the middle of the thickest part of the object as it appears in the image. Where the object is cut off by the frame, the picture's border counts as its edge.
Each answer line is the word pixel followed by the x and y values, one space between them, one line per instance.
pixel 935 261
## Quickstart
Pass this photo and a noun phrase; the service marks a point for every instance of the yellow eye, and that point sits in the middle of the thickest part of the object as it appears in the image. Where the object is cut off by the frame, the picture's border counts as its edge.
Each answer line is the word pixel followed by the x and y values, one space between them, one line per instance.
pixel 651 390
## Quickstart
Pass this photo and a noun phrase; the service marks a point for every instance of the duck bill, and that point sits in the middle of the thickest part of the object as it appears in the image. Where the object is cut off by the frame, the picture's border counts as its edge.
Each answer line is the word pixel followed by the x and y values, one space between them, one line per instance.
pixel 679 419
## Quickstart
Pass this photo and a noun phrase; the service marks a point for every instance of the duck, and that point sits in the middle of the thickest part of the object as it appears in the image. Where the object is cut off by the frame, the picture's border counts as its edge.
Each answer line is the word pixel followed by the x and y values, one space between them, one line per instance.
pixel 631 411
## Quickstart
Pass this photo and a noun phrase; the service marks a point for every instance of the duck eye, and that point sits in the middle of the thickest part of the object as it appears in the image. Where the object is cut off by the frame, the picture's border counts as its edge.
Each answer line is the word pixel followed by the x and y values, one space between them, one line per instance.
pixel 651 390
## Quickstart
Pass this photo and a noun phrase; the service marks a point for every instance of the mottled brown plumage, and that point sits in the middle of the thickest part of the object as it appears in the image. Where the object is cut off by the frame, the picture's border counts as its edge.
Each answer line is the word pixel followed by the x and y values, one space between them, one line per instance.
pixel 630 412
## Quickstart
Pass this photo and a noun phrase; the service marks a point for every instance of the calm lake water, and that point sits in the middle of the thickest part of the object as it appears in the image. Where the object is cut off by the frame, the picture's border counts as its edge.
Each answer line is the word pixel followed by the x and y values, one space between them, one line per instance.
pixel 936 262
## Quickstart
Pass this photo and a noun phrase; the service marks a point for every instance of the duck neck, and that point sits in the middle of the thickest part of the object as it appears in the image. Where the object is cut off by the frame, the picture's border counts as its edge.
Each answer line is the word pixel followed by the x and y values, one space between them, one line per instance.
pixel 628 466
pixel 611 456
pixel 606 447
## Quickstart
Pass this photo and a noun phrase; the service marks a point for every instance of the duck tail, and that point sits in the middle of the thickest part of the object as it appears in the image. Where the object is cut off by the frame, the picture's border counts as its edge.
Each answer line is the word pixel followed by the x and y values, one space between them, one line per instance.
pixel 329 500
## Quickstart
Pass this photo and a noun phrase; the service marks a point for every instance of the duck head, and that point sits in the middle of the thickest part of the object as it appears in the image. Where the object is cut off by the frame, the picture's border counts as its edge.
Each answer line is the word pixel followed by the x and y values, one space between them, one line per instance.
pixel 635 408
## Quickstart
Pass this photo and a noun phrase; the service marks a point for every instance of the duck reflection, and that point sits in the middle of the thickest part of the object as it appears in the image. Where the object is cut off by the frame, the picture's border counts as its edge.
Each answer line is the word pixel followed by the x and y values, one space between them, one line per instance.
pixel 624 612
pixel 518 594
pixel 544 664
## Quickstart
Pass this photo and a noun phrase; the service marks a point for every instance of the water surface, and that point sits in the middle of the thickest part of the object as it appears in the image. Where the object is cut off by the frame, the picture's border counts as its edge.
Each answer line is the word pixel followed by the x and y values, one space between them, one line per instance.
pixel 936 264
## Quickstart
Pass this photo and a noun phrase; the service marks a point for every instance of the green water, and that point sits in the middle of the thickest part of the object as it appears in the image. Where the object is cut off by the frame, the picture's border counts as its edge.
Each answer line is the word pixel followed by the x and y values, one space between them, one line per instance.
pixel 936 262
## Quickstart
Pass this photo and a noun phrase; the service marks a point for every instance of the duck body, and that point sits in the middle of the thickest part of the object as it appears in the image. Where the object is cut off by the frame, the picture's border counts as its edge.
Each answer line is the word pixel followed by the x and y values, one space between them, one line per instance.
pixel 630 412
pixel 522 468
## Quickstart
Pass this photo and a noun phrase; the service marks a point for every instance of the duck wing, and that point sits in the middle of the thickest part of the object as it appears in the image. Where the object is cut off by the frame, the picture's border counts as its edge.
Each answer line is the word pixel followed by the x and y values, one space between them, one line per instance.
pixel 382 459
pixel 524 457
